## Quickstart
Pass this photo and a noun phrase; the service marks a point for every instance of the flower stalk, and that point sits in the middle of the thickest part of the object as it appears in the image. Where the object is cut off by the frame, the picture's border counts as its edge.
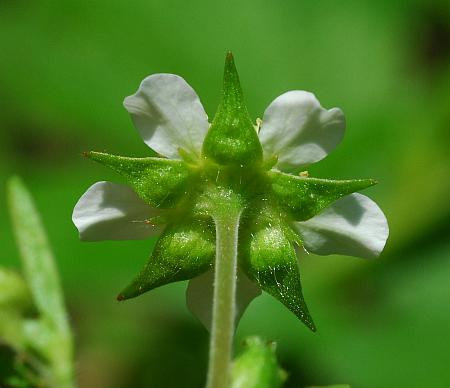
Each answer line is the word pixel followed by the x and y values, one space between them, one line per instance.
pixel 224 300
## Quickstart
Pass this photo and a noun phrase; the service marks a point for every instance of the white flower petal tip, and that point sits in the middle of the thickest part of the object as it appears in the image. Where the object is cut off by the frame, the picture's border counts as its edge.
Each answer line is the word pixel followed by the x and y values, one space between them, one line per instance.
pixel 354 226
pixel 200 291
pixel 169 115
pixel 297 130
pixel 109 211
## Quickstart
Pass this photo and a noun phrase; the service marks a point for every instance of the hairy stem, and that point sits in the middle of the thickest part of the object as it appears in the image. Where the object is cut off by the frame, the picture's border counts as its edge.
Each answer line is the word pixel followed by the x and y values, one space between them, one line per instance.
pixel 224 301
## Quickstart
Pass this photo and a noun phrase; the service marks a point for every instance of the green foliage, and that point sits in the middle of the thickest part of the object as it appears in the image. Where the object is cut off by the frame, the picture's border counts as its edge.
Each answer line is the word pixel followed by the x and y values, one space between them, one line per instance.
pixel 15 305
pixel 49 335
pixel 14 372
pixel 38 262
pixel 256 366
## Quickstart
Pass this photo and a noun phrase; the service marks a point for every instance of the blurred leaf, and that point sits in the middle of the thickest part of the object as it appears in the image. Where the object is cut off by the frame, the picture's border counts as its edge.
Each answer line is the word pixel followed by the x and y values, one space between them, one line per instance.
pixel 14 293
pixel 37 259
pixel 13 373
pixel 10 328
pixel 15 302
pixel 50 335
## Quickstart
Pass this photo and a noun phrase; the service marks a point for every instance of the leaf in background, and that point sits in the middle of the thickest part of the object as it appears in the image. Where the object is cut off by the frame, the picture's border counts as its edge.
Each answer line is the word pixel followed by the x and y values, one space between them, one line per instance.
pixel 14 373
pixel 15 302
pixel 14 293
pixel 43 281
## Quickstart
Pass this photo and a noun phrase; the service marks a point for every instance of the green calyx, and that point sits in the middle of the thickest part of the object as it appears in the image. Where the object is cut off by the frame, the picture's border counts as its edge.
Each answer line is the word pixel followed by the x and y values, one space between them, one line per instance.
pixel 232 138
pixel 230 178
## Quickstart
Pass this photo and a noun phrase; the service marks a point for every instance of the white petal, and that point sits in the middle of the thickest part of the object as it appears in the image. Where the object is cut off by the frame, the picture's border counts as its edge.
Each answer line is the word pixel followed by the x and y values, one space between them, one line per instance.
pixel 109 211
pixel 299 131
pixel 199 296
pixel 169 115
pixel 354 225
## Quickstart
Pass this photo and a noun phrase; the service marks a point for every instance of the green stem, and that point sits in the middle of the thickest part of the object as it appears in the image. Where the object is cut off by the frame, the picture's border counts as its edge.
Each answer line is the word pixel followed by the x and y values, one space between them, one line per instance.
pixel 224 302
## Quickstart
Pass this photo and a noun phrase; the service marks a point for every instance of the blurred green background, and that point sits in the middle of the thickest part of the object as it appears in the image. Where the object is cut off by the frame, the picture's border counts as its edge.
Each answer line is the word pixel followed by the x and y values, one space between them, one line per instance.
pixel 65 67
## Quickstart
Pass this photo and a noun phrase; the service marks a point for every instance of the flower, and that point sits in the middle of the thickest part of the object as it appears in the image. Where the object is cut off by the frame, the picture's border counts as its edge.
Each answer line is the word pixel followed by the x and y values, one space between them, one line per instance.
pixel 283 210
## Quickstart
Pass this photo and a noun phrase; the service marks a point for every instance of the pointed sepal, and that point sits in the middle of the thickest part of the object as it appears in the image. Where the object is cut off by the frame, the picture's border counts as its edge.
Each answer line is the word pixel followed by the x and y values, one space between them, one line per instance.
pixel 232 138
pixel 159 182
pixel 304 197
pixel 268 257
pixel 184 250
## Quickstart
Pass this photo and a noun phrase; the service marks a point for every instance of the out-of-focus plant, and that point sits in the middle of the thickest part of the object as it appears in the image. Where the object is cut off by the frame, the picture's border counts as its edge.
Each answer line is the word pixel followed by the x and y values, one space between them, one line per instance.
pixel 227 202
pixel 37 345
pixel 256 366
